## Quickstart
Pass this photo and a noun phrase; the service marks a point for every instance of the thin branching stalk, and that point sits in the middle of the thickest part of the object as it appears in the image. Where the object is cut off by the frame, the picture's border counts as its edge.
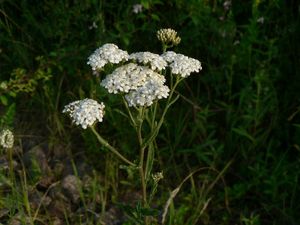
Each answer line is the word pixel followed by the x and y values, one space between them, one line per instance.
pixel 154 115
pixel 170 102
pixel 151 148
pixel 111 148
pixel 11 165
pixel 25 197
pixel 149 161
pixel 142 154
pixel 129 112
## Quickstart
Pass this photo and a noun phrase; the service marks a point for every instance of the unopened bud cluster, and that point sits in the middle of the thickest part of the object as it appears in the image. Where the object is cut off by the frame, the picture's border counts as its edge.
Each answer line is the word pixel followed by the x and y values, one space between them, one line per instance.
pixel 168 36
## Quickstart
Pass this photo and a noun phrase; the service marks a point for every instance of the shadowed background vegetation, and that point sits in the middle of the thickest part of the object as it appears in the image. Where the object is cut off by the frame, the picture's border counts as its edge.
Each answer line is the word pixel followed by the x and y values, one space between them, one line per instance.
pixel 238 119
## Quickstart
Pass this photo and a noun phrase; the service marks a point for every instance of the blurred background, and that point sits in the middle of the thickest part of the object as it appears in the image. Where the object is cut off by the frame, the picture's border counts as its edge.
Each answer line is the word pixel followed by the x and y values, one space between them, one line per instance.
pixel 242 110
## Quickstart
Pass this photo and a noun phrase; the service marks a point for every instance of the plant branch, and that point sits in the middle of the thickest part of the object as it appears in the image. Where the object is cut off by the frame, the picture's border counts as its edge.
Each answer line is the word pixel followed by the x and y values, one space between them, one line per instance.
pixel 129 112
pixel 111 148
pixel 170 102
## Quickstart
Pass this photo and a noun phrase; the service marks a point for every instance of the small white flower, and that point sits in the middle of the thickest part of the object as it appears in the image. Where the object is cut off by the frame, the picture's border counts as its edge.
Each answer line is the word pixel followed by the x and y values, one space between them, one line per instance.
pixel 93 26
pixel 108 53
pixel 157 177
pixel 128 77
pixel 85 112
pixel 155 61
pixel 181 64
pixel 6 139
pixel 169 56
pixel 137 8
pixel 260 20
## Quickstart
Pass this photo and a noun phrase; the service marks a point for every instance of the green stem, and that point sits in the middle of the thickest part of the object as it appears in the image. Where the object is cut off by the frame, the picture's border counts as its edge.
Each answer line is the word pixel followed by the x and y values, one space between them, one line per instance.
pixel 164 47
pixel 142 155
pixel 140 124
pixel 257 104
pixel 170 101
pixel 142 175
pixel 111 148
pixel 11 165
pixel 153 116
pixel 149 161
pixel 129 112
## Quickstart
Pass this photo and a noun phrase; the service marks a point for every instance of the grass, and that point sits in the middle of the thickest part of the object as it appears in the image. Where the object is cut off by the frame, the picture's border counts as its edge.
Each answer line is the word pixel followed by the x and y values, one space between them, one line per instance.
pixel 236 123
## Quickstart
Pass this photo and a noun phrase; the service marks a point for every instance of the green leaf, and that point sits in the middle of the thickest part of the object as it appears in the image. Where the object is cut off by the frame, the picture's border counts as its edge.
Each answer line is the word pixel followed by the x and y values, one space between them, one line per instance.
pixel 3 100
pixel 296 125
pixel 145 4
pixel 155 17
pixel 243 133
pixel 8 118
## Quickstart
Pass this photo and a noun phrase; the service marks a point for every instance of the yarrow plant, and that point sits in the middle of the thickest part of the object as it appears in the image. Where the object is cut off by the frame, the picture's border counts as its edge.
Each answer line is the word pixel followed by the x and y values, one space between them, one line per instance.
pixel 140 80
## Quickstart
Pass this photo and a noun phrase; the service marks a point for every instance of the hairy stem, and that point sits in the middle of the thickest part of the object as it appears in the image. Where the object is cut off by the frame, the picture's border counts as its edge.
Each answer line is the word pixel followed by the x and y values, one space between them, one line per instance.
pixel 129 113
pixel 142 154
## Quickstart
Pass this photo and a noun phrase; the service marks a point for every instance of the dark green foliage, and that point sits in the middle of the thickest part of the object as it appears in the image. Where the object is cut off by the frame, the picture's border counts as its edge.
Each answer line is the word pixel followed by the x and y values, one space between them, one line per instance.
pixel 244 106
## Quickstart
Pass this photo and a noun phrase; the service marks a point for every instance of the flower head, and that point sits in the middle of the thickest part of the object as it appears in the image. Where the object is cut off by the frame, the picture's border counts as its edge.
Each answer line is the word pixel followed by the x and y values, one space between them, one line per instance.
pixel 168 36
pixel 6 139
pixel 155 61
pixel 181 64
pixel 108 53
pixel 145 95
pixel 85 112
pixel 128 77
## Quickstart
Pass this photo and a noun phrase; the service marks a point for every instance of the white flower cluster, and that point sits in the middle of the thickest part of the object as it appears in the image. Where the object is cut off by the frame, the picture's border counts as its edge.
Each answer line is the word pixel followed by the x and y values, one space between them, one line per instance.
pixel 108 53
pixel 181 64
pixel 6 139
pixel 148 93
pixel 142 84
pixel 125 78
pixel 155 61
pixel 85 112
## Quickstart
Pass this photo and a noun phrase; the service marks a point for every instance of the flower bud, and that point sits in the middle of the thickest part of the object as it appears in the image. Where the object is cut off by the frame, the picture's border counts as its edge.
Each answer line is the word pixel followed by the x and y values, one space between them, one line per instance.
pixel 168 37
